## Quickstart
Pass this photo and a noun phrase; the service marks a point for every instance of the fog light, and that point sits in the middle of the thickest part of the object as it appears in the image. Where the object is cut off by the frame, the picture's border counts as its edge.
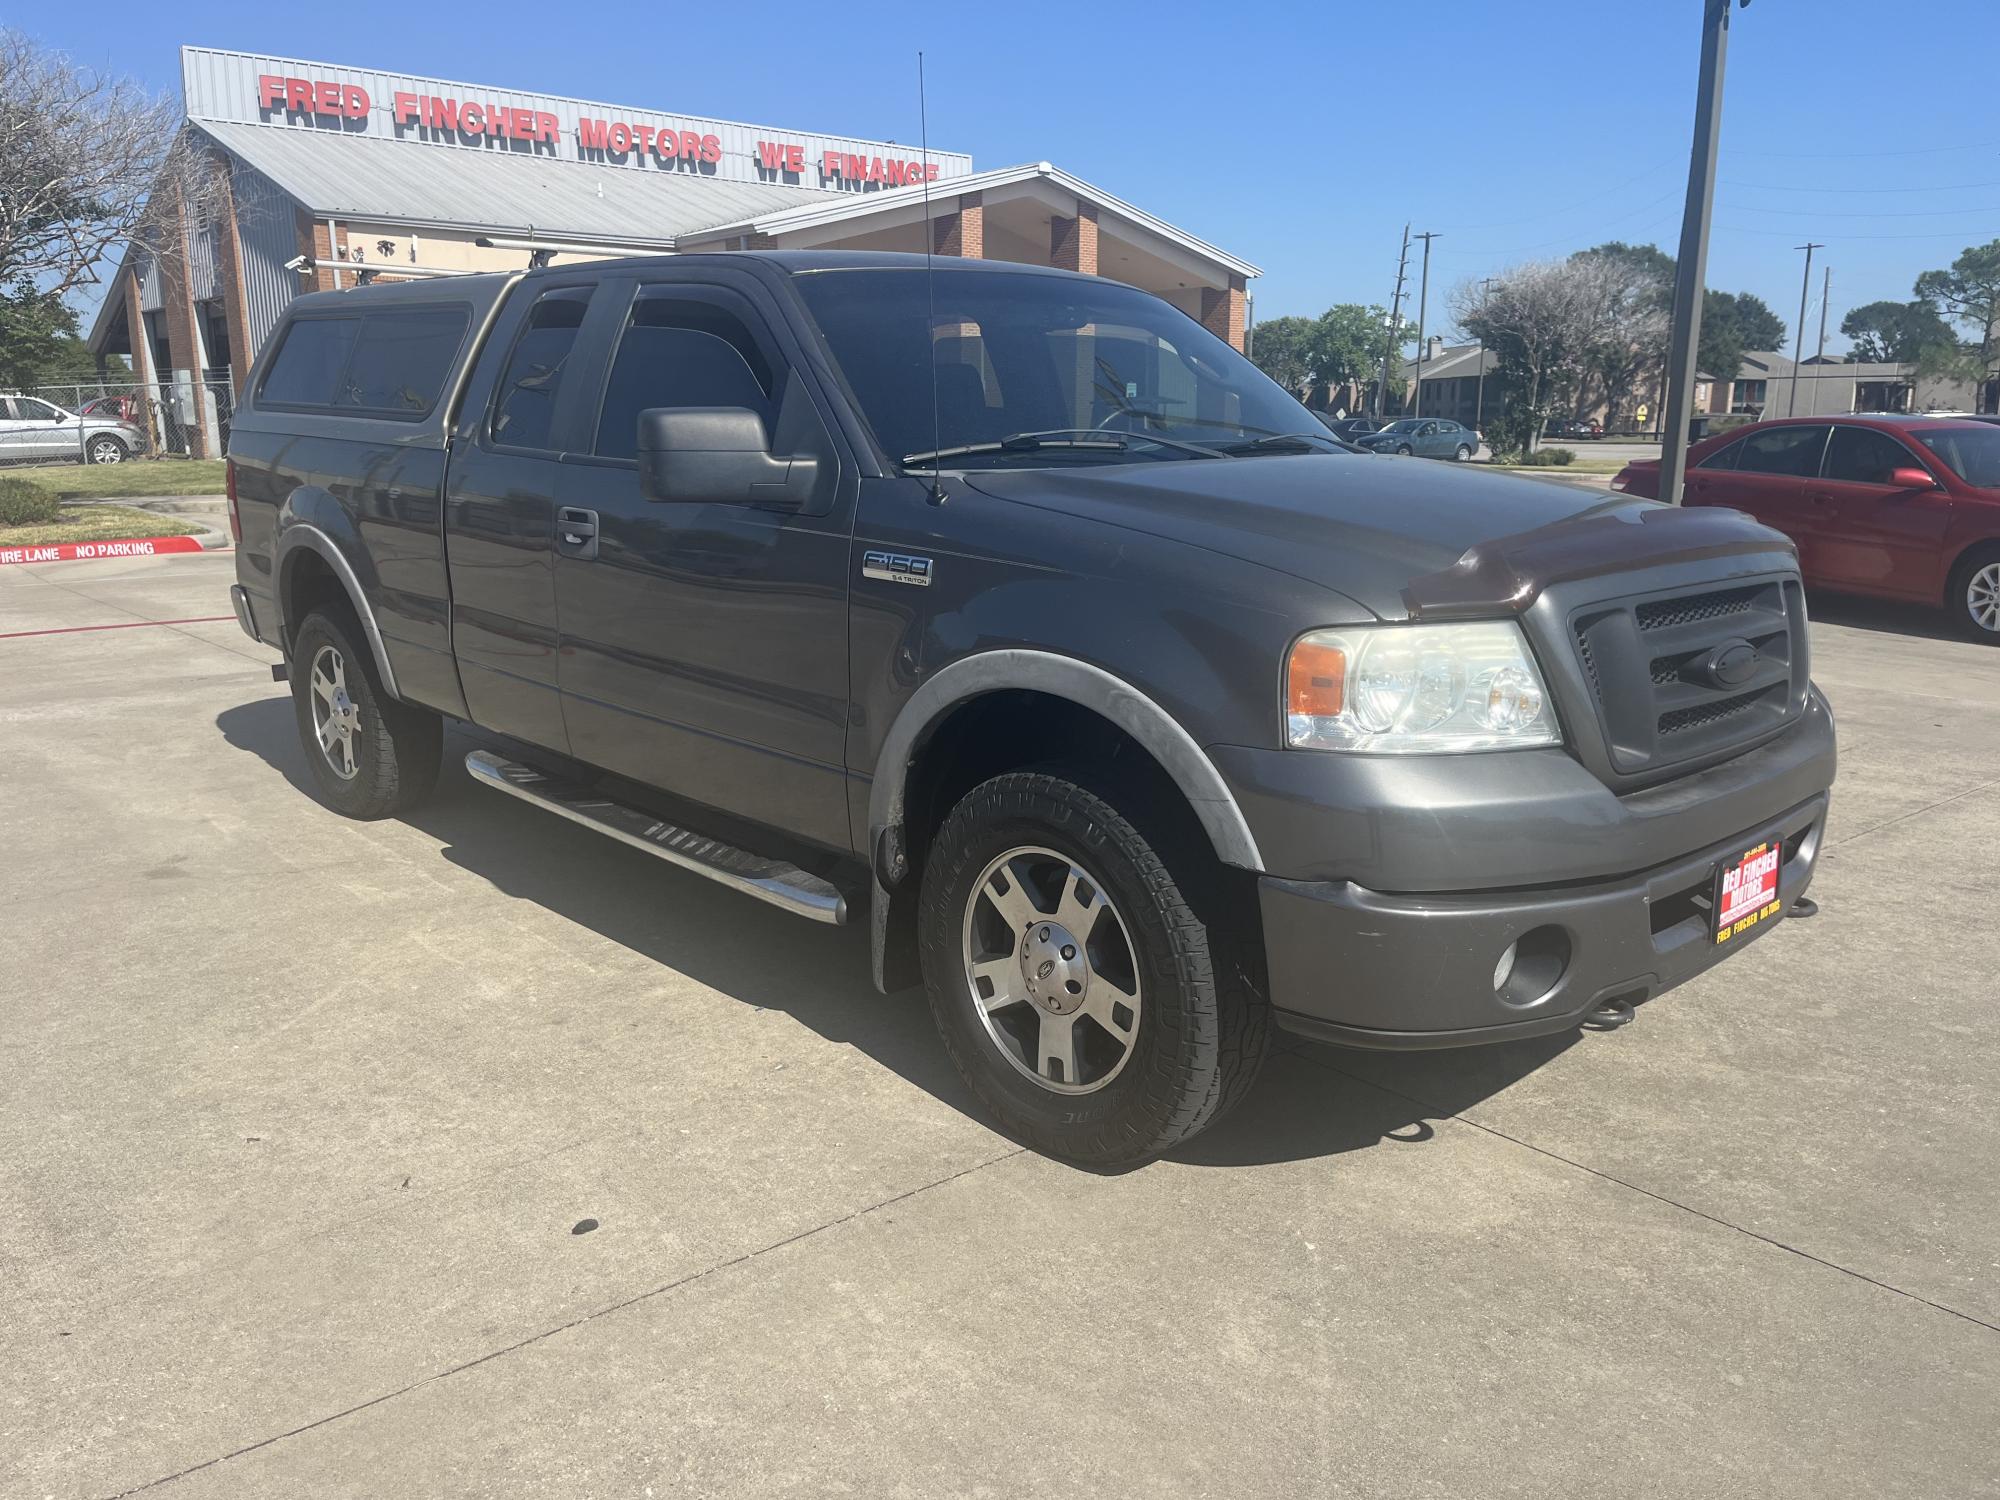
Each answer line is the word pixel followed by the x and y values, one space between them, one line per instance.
pixel 1504 970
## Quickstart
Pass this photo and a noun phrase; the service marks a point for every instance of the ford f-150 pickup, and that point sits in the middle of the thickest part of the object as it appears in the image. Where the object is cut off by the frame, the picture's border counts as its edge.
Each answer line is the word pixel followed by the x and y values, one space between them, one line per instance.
pixel 1015 614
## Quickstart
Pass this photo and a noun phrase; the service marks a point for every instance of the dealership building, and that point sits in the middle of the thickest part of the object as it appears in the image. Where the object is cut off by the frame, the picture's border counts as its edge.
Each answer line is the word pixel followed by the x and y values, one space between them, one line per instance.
pixel 331 176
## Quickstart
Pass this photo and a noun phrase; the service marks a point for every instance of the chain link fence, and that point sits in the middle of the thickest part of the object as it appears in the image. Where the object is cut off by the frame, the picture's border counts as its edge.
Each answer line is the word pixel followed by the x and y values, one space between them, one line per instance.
pixel 110 421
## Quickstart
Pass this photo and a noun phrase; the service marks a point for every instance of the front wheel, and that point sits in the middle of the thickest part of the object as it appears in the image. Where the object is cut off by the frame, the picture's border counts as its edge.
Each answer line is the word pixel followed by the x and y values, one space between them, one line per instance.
pixel 1405 449
pixel 1077 989
pixel 371 756
pixel 1973 596
pixel 106 450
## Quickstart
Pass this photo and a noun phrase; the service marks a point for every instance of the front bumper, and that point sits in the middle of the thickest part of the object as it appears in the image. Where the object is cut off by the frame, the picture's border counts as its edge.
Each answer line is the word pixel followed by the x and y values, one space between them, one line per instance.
pixel 1351 965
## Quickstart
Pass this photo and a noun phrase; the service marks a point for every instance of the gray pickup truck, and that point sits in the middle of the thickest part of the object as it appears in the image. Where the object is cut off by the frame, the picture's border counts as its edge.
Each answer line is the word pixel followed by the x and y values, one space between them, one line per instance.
pixel 1017 615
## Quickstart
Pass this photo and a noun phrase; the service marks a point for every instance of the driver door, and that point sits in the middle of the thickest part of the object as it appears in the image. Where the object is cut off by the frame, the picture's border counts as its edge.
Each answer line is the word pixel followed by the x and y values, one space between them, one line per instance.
pixel 703 646
pixel 41 432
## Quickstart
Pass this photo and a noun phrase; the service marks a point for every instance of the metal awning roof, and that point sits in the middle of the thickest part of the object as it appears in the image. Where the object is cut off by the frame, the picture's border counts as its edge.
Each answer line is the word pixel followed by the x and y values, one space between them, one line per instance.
pixel 401 182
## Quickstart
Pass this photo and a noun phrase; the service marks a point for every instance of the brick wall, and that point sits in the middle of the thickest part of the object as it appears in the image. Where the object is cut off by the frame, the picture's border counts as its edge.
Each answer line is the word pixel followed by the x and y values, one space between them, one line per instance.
pixel 1073 242
pixel 235 312
pixel 184 351
pixel 962 233
pixel 1222 311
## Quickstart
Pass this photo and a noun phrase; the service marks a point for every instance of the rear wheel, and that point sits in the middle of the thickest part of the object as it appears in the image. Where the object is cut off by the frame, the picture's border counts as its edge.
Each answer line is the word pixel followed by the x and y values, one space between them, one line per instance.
pixel 370 756
pixel 1973 597
pixel 1461 454
pixel 1077 989
pixel 105 450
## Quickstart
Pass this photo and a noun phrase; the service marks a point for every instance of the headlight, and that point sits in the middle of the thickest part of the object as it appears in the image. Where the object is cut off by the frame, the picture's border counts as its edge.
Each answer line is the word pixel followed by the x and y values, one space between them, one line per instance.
pixel 1423 689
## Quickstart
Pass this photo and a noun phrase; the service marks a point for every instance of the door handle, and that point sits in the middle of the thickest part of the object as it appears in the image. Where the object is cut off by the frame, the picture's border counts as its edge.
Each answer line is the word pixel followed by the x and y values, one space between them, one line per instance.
pixel 576 532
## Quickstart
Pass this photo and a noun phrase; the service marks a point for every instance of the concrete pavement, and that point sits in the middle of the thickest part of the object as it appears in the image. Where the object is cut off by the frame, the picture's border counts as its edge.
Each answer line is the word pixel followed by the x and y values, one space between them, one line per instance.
pixel 304 1117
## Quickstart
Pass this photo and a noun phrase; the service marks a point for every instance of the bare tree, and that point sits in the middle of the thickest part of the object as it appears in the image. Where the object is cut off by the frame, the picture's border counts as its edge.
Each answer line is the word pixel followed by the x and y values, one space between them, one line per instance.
pixel 89 162
pixel 1544 322
pixel 1631 352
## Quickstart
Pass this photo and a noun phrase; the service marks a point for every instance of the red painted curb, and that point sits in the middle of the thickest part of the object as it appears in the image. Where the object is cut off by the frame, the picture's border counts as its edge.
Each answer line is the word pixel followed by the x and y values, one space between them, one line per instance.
pixel 146 546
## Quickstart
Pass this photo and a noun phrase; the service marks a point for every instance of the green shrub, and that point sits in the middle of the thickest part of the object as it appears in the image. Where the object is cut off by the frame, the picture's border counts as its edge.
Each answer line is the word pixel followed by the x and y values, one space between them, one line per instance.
pixel 23 503
pixel 1540 458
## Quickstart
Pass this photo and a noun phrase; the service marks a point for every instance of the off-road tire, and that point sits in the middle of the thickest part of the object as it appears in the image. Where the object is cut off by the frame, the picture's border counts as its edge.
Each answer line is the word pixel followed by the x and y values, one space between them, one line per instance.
pixel 396 746
pixel 1956 603
pixel 1203 1026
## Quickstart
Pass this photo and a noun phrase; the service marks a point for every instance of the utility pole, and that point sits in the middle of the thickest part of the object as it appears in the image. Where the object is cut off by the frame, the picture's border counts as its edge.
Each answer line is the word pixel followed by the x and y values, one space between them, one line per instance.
pixel 1479 391
pixel 1691 270
pixel 1825 296
pixel 1799 339
pixel 1423 308
pixel 1395 322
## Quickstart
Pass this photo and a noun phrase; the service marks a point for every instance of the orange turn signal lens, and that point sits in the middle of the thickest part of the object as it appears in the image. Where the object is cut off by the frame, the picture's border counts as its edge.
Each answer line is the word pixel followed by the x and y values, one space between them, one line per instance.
pixel 1316 680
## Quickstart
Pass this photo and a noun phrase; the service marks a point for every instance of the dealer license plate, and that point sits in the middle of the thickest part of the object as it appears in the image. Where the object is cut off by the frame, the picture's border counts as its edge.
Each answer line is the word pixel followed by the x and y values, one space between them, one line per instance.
pixel 1746 891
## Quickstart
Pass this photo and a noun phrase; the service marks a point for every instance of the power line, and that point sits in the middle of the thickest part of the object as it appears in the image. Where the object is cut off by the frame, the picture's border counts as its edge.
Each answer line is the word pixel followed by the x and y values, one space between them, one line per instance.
pixel 1793 187
pixel 1893 213
pixel 1785 234
pixel 1855 155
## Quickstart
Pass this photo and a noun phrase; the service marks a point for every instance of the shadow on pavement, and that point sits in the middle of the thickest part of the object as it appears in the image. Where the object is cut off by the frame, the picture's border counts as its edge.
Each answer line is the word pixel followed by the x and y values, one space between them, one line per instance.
pixel 1882 615
pixel 1311 1101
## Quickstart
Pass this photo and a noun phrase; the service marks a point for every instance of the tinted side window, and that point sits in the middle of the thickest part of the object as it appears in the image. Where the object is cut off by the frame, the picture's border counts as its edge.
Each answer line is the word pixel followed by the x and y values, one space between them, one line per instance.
pixel 1864 456
pixel 1724 458
pixel 308 363
pixel 677 351
pixel 1792 451
pixel 402 358
pixel 524 406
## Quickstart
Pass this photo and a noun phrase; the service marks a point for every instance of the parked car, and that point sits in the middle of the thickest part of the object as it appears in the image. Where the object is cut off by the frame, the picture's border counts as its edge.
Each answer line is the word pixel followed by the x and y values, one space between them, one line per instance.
pixel 1573 427
pixel 1897 507
pixel 36 431
pixel 130 409
pixel 1427 437
pixel 1349 429
pixel 1132 715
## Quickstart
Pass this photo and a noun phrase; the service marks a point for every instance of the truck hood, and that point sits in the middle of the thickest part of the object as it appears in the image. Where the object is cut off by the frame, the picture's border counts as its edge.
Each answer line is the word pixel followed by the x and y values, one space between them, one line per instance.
pixel 1398 538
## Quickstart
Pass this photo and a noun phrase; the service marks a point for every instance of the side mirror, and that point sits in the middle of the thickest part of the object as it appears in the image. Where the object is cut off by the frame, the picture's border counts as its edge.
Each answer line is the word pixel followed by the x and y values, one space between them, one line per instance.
pixel 1912 478
pixel 717 455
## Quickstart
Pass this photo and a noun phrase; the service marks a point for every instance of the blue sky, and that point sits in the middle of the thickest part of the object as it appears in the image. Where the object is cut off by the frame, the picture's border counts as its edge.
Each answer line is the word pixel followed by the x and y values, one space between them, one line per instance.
pixel 1300 138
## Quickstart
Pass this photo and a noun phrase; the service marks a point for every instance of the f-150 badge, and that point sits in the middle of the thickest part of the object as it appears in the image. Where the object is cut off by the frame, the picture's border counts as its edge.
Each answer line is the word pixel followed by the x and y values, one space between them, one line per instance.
pixel 896 567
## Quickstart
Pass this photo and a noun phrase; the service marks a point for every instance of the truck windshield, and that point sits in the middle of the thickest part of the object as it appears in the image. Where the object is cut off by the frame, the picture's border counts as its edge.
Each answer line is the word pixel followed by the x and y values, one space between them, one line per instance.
pixel 1030 368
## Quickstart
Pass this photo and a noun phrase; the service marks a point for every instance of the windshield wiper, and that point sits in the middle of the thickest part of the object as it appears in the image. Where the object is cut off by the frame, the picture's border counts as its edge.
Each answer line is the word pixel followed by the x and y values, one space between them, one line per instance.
pixel 1084 439
pixel 1294 441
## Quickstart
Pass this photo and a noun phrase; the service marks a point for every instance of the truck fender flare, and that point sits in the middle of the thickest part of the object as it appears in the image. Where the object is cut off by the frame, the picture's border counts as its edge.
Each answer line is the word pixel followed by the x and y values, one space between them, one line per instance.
pixel 298 534
pixel 1090 686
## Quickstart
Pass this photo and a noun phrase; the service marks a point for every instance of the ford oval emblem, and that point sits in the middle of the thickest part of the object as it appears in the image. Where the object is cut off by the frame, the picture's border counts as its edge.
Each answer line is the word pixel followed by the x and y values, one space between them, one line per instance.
pixel 1731 664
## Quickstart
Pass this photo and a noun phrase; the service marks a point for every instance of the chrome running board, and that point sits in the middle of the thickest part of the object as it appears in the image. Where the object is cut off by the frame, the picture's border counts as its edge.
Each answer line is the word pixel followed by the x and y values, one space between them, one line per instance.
pixel 772 880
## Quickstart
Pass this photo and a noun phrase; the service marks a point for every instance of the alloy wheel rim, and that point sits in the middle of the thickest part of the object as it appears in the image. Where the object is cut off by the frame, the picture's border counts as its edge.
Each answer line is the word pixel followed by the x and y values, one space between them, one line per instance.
pixel 1051 970
pixel 108 453
pixel 336 716
pixel 1982 597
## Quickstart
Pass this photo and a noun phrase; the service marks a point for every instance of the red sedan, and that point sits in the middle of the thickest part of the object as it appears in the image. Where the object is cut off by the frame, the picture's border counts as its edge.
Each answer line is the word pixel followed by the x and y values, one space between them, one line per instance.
pixel 1897 507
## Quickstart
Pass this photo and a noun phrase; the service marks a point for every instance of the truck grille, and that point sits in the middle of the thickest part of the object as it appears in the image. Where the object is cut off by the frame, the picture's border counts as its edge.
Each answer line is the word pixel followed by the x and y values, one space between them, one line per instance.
pixel 1692 675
